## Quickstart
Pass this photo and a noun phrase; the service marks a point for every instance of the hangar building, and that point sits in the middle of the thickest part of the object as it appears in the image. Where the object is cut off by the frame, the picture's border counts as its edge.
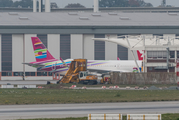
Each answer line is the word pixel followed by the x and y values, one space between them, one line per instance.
pixel 69 35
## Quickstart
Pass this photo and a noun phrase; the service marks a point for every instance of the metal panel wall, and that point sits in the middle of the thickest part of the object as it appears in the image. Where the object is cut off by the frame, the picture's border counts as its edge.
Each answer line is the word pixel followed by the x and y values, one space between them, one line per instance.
pixel 43 38
pixel 65 46
pixel 76 46
pixel 110 49
pixel 6 44
pixel 88 47
pixel 169 36
pixel 53 44
pixel 122 52
pixel 99 49
pixel 29 52
pixel 17 52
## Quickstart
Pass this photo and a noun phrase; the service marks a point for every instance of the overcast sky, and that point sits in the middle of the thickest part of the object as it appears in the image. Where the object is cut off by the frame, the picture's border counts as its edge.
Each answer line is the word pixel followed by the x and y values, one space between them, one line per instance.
pixel 89 3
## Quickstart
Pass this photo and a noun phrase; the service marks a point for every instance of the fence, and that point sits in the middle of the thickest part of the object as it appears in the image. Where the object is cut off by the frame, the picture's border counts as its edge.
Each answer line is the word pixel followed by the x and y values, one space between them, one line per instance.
pixel 17 86
pixel 143 78
pixel 104 116
pixel 143 116
pixel 119 116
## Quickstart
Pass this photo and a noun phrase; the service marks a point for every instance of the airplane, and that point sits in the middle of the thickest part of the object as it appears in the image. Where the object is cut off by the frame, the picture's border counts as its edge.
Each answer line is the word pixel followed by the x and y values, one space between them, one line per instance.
pixel 46 62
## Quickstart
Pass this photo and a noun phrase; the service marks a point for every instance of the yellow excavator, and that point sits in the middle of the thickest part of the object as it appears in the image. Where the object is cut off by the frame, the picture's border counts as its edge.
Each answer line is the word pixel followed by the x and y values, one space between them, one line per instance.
pixel 77 73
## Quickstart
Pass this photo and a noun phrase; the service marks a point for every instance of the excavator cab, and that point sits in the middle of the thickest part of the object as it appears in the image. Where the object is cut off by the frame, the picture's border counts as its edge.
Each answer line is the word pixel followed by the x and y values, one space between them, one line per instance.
pixel 83 74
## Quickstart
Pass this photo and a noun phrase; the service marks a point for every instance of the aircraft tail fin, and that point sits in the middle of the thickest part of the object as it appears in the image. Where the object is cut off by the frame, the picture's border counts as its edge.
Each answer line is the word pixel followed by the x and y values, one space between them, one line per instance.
pixel 118 58
pixel 140 54
pixel 41 52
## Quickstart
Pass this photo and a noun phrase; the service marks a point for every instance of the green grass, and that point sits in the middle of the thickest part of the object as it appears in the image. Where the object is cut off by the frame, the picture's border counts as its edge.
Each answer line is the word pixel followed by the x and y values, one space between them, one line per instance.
pixel 170 116
pixel 57 96
pixel 164 117
pixel 83 118
pixel 107 85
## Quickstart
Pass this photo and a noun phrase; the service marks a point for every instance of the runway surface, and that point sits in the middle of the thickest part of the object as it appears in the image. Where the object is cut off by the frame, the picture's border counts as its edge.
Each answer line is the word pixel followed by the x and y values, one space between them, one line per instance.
pixel 28 82
pixel 80 110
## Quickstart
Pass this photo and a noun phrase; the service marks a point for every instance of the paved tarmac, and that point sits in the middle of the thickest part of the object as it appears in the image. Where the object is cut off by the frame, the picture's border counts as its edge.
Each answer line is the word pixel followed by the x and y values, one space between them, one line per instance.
pixel 26 82
pixel 80 110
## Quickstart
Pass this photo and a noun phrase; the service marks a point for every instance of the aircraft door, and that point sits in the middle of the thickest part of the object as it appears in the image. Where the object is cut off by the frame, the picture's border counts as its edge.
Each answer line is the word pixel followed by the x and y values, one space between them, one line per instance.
pixel 54 66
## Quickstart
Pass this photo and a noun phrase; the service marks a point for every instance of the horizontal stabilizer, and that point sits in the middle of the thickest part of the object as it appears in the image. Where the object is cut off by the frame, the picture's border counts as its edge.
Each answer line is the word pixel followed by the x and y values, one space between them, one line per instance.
pixel 34 65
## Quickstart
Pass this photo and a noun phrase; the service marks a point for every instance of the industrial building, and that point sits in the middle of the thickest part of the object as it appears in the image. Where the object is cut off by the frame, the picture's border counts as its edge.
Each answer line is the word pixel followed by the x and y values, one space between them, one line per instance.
pixel 69 35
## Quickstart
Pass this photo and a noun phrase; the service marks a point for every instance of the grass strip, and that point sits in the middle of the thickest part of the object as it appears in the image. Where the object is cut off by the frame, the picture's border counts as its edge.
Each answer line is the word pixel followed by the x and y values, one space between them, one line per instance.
pixel 61 96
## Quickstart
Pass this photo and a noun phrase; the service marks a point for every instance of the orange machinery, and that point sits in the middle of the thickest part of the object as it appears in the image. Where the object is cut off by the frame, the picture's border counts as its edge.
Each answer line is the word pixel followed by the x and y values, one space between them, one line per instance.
pixel 78 73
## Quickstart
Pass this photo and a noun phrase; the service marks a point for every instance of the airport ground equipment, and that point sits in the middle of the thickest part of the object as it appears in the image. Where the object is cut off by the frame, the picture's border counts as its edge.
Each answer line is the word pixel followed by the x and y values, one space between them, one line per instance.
pixel 105 80
pixel 77 73
pixel 104 116
pixel 143 116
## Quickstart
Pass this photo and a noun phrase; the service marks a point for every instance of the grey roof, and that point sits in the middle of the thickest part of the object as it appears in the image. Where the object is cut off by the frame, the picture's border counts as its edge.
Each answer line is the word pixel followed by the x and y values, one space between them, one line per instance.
pixel 88 19
pixel 101 9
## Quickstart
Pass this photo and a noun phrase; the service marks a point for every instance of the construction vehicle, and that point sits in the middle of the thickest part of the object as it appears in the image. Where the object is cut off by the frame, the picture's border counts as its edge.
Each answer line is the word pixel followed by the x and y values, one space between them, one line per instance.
pixel 77 73
pixel 105 80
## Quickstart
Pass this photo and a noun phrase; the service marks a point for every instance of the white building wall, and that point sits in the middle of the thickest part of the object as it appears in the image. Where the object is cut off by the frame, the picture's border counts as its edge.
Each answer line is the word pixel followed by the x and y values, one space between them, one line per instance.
pixel 53 42
pixel 29 52
pixel 0 53
pixel 170 36
pixel 110 49
pixel 17 52
pixel 88 47
pixel 76 46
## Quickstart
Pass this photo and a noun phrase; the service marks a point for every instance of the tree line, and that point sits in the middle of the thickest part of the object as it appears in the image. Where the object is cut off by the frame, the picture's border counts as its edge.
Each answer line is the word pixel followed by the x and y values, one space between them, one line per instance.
pixel 22 3
pixel 102 3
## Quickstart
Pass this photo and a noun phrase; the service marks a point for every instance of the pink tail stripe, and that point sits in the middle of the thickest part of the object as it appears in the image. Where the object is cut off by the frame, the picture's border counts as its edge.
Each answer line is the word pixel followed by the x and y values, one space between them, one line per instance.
pixel 41 52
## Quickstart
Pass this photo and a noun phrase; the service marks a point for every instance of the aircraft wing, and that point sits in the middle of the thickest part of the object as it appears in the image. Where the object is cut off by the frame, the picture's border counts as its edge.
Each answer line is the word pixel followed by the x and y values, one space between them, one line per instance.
pixel 34 65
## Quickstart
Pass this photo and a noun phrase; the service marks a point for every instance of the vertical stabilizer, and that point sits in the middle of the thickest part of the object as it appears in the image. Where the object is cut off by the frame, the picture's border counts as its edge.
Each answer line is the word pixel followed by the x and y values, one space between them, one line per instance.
pixel 41 52
pixel 140 54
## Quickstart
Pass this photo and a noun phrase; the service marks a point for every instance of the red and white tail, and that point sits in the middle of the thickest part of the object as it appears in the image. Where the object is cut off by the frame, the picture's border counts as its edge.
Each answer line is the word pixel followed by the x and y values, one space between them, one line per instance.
pixel 118 58
pixel 41 52
pixel 140 54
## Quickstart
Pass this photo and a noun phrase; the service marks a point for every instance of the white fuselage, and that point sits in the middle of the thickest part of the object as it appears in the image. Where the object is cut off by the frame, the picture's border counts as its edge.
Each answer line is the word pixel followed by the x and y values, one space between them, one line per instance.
pixel 114 65
pixel 103 66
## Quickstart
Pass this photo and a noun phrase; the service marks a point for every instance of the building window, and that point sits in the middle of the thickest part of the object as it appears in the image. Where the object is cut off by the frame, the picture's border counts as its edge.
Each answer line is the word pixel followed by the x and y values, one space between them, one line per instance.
pixel 4 73
pixel 65 46
pixel 172 54
pixel 44 73
pixel 49 73
pixel 156 54
pixel 177 54
pixel 99 47
pixel 32 73
pixel 6 52
pixel 39 73
pixel 16 73
pixel 27 73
